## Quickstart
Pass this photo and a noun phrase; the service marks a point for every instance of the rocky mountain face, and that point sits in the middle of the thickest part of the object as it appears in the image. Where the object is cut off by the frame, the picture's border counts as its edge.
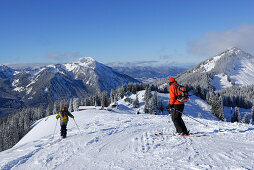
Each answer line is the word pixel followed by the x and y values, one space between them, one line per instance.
pixel 49 83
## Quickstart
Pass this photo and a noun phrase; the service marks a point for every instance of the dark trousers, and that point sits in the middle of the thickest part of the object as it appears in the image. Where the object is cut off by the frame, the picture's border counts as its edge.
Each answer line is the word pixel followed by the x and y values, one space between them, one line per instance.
pixel 63 129
pixel 176 115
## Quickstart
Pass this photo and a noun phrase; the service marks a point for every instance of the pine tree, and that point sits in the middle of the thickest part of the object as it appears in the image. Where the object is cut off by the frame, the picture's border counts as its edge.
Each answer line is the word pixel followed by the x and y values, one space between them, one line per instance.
pixel 156 99
pixel 26 124
pixel 217 106
pixel 199 115
pixel 134 88
pixel 221 109
pixel 136 102
pixel 112 96
pixel 252 115
pixel 49 110
pixel 104 99
pixel 148 94
pixel 161 107
pixel 129 87
pixel 245 118
pixel 75 104
pixel 151 107
pixel 147 106
pixel 236 116
pixel 56 107
pixel 71 106
pixel 88 102
pixel 95 101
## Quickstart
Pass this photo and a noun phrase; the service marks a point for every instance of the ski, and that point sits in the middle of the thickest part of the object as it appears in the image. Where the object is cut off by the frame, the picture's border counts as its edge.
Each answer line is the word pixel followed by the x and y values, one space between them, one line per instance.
pixel 191 135
pixel 158 134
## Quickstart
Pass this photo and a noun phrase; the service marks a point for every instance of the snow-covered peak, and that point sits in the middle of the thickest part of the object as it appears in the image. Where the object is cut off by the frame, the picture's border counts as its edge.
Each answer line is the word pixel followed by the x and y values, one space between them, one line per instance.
pixel 225 62
pixel 87 62
pixel 231 67
pixel 236 51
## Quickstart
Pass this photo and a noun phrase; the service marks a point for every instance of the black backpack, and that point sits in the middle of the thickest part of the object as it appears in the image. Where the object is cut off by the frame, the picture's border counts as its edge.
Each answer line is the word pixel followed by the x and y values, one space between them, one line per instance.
pixel 182 93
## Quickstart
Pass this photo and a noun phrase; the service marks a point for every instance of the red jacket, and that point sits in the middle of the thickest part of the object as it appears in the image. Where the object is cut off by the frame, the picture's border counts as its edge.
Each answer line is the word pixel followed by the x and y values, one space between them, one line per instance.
pixel 173 94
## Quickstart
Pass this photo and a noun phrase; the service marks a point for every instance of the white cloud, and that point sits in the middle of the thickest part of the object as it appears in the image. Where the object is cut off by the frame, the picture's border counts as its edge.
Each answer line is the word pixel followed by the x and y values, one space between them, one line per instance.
pixel 213 43
pixel 62 56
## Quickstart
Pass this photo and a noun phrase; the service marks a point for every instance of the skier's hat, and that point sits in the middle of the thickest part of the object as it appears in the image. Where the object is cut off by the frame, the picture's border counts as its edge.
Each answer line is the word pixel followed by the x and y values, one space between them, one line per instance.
pixel 171 80
pixel 64 108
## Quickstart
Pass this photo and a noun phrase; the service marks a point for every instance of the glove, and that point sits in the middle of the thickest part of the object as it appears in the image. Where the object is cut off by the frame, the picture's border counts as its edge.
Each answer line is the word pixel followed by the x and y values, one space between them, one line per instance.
pixel 57 117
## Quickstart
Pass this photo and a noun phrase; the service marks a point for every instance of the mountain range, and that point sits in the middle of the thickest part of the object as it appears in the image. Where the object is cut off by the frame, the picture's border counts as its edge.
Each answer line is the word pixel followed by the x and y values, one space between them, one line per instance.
pixel 49 83
pixel 45 84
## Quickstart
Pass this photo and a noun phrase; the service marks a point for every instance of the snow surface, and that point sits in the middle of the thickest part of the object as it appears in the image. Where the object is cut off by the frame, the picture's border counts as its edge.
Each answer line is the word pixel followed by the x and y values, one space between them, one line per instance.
pixel 211 64
pixel 120 139
pixel 220 82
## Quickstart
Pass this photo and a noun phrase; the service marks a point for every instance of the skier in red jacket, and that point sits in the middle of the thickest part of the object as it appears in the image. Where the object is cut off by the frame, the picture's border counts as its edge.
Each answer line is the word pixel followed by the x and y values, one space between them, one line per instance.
pixel 176 108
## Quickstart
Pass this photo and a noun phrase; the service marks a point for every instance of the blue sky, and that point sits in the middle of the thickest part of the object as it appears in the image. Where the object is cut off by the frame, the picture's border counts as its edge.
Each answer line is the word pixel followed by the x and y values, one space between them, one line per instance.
pixel 162 31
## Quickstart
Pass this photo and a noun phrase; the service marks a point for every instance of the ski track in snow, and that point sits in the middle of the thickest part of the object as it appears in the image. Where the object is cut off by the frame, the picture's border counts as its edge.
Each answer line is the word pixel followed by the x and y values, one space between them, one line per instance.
pixel 115 140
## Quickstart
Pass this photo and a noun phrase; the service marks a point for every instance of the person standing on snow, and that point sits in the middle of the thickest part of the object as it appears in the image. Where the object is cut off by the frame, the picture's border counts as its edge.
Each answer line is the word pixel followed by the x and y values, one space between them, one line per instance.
pixel 63 115
pixel 176 108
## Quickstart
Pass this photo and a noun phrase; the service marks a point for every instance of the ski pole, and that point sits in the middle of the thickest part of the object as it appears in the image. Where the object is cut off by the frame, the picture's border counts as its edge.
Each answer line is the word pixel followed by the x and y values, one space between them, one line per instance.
pixel 195 119
pixel 55 128
pixel 76 125
pixel 190 117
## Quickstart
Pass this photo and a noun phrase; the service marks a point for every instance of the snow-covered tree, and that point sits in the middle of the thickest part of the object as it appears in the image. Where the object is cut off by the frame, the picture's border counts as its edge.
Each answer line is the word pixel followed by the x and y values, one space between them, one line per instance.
pixel 71 106
pixel 216 103
pixel 148 94
pixel 136 102
pixel 199 115
pixel 236 116
pixel 75 104
pixel 252 115
pixel 112 96
pixel 104 99
pixel 56 107
pixel 49 110
pixel 134 88
pixel 238 113
pixel 161 107
pixel 245 118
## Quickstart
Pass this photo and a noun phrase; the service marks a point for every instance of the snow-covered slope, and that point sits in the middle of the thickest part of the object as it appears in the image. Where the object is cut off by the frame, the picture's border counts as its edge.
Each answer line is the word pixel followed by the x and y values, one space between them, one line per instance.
pixel 117 140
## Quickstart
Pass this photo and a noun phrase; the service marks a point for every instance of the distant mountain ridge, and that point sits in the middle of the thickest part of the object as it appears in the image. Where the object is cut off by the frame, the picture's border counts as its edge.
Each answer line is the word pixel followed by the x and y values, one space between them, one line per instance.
pixel 57 81
pixel 144 73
